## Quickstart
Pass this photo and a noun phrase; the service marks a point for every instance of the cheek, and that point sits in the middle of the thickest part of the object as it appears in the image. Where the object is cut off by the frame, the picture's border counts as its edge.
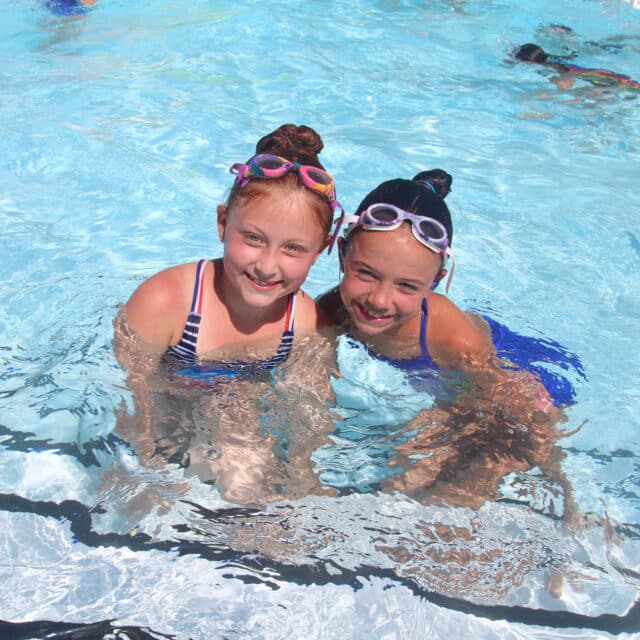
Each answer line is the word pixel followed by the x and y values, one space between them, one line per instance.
pixel 296 269
pixel 235 249
pixel 408 305
pixel 302 267
pixel 351 287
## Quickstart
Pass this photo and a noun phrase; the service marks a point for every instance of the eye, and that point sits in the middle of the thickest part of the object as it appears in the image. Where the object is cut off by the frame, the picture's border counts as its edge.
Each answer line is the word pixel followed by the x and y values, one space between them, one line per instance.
pixel 252 238
pixel 408 287
pixel 365 274
pixel 294 249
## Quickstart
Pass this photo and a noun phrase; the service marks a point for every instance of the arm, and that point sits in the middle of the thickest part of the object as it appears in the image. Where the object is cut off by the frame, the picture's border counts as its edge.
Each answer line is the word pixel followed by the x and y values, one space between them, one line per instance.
pixel 158 308
pixel 463 343
pixel 503 422
pixel 139 359
pixel 331 304
pixel 143 429
pixel 151 320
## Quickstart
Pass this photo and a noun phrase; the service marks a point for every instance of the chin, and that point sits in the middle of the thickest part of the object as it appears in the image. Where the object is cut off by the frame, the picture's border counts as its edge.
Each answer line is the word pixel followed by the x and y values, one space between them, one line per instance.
pixel 370 329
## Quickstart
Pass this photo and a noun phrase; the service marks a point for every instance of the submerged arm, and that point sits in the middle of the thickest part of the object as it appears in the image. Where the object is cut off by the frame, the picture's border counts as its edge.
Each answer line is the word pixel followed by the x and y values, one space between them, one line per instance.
pixel 503 420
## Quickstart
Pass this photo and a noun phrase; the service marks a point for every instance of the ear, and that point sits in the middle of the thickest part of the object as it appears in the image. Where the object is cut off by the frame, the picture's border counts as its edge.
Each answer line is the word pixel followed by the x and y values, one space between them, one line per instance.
pixel 440 276
pixel 222 220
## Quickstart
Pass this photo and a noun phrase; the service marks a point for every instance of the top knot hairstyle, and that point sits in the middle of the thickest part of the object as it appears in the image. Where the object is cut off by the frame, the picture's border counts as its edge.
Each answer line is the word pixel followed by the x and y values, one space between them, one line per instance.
pixel 295 143
pixel 437 179
pixel 419 195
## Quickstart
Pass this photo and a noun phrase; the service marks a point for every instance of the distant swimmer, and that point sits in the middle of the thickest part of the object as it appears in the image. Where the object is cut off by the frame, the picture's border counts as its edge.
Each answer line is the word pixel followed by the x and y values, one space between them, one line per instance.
pixel 597 77
pixel 69 7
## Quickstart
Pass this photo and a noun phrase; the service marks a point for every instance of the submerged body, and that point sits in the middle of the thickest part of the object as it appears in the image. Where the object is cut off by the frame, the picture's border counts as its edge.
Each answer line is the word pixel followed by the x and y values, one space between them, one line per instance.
pixel 229 323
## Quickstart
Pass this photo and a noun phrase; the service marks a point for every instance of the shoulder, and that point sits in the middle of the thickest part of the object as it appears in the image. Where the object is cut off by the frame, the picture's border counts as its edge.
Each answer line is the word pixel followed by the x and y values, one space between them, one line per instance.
pixel 452 334
pixel 331 305
pixel 310 314
pixel 158 307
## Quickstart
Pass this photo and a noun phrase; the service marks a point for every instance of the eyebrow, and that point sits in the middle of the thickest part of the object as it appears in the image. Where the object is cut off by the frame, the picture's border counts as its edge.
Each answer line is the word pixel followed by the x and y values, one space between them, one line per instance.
pixel 256 229
pixel 416 281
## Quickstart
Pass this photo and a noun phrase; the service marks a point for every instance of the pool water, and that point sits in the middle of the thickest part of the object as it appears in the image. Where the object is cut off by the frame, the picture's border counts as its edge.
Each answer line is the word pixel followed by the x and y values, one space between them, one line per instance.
pixel 119 124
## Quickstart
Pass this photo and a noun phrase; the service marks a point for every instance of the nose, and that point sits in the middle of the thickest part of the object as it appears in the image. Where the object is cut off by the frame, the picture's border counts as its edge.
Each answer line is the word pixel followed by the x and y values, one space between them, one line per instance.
pixel 266 265
pixel 380 296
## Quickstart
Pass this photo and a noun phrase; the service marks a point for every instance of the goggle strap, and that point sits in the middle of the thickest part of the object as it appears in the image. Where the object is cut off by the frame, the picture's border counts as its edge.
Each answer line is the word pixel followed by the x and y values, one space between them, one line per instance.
pixel 451 271
pixel 239 170
pixel 339 222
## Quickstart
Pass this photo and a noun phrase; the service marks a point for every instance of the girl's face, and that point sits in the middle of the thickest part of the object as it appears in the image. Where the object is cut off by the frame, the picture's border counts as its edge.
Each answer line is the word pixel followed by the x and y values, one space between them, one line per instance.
pixel 270 243
pixel 386 276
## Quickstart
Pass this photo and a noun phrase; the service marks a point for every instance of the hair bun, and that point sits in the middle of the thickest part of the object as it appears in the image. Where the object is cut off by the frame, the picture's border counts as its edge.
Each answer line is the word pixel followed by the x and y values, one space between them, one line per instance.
pixel 296 143
pixel 438 179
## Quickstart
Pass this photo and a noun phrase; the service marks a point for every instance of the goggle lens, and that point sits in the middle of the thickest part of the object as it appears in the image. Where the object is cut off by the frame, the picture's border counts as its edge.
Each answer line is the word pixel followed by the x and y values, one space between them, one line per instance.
pixel 266 165
pixel 430 230
pixel 319 176
pixel 269 162
pixel 383 215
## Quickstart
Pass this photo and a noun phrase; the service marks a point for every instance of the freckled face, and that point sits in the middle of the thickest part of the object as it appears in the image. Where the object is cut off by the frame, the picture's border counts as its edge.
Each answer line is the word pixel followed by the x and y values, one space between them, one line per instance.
pixel 270 243
pixel 386 276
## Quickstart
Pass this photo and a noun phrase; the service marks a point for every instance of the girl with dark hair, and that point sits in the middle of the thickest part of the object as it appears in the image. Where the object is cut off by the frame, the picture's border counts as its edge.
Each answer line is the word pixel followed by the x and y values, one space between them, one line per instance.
pixel 387 294
pixel 497 418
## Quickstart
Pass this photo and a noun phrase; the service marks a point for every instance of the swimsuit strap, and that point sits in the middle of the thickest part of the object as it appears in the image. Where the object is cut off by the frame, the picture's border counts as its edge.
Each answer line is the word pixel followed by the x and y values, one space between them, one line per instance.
pixel 198 289
pixel 186 348
pixel 286 344
pixel 423 329
pixel 284 348
pixel 291 311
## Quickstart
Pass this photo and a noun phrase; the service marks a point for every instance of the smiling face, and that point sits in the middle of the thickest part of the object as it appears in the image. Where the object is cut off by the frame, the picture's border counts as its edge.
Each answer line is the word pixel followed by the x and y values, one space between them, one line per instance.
pixel 270 243
pixel 387 274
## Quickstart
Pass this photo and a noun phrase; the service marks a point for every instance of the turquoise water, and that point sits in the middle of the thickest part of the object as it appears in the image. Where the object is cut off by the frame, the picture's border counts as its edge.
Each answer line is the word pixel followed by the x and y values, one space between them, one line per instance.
pixel 119 127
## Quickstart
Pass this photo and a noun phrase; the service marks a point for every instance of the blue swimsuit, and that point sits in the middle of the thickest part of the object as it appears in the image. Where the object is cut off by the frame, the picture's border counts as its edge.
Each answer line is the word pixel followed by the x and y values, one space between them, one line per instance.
pixel 529 353
pixel 185 363
pixel 67 7
pixel 424 361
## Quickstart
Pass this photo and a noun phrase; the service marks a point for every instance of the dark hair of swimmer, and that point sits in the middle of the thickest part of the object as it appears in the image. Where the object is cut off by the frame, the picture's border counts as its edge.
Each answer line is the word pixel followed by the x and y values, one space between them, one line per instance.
pixel 531 53
pixel 439 179
pixel 295 143
pixel 418 196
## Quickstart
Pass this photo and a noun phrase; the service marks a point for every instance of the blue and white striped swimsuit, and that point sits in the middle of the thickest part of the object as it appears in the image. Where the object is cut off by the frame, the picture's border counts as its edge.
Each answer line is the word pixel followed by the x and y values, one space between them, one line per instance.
pixel 185 363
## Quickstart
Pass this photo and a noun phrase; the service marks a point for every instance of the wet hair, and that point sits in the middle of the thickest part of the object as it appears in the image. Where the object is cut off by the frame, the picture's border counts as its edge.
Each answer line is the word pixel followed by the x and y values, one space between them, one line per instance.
pixel 296 143
pixel 438 179
pixel 416 197
pixel 531 53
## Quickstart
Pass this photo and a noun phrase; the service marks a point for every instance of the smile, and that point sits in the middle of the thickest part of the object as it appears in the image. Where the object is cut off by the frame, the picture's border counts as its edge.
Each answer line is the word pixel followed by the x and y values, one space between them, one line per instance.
pixel 263 285
pixel 372 316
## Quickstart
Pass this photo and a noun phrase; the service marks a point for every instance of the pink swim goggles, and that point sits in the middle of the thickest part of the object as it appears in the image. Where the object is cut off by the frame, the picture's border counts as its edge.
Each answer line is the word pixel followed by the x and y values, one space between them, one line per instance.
pixel 266 165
